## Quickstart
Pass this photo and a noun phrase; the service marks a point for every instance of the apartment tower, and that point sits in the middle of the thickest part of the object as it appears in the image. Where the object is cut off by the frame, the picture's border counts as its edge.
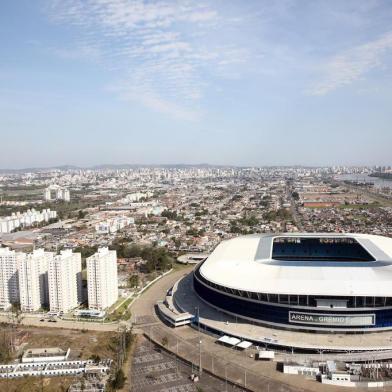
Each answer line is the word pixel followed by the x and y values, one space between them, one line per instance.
pixel 102 284
pixel 65 281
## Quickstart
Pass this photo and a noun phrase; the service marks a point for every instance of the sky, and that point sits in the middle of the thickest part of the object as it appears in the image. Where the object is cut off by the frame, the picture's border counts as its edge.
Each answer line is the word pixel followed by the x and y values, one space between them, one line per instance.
pixel 231 82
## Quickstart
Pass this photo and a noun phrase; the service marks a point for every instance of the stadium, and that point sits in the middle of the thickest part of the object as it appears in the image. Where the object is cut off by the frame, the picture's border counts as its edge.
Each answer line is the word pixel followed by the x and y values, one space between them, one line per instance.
pixel 308 282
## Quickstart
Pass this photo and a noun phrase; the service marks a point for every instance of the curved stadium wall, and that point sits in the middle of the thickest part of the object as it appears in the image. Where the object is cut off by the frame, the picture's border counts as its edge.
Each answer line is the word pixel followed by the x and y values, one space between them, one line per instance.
pixel 297 312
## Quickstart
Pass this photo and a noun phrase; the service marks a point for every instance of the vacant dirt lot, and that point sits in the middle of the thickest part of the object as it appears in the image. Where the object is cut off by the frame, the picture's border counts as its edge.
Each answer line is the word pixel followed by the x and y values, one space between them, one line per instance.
pixel 83 345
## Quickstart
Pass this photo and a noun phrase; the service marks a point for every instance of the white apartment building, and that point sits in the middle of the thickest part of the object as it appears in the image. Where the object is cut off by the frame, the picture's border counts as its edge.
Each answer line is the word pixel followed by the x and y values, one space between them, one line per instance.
pixel 25 219
pixel 137 196
pixel 65 281
pixel 60 193
pixel 9 285
pixel 33 280
pixel 66 195
pixel 102 282
pixel 47 194
pixel 113 225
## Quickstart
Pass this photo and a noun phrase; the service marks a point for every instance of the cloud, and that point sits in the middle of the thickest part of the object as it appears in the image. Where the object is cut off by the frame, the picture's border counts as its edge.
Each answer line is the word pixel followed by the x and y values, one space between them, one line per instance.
pixel 78 53
pixel 171 108
pixel 146 95
pixel 159 49
pixel 345 68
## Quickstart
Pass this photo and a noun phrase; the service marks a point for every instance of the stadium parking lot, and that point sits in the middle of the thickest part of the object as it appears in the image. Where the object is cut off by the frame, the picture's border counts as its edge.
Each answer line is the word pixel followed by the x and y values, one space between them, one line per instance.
pixel 153 370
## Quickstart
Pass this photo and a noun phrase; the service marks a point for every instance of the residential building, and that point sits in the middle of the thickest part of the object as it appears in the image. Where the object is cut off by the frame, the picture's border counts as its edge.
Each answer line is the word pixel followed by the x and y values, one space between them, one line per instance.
pixel 66 195
pixel 113 225
pixel 65 281
pixel 33 280
pixel 9 287
pixel 60 193
pixel 102 282
pixel 47 194
pixel 25 219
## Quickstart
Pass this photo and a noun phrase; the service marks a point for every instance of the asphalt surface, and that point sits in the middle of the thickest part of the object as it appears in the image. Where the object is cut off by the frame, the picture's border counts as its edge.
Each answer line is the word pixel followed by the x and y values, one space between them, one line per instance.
pixel 154 369
pixel 224 362
pixel 144 305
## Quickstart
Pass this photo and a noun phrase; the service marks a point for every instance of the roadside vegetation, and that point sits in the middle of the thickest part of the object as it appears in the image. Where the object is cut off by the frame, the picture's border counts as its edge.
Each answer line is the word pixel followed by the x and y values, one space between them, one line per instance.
pixel 122 312
pixel 157 258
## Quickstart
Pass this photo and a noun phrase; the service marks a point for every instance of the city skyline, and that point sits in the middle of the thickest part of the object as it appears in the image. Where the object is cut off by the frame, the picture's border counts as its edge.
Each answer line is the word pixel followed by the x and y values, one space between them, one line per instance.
pixel 181 166
pixel 171 82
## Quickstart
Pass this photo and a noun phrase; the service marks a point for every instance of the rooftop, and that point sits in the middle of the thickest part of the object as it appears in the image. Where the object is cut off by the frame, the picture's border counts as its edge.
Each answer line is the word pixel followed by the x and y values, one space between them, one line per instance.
pixel 304 264
pixel 44 352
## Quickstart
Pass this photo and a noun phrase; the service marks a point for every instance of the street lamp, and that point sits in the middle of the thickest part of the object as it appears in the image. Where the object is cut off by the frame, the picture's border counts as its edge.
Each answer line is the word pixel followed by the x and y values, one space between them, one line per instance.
pixel 200 368
pixel 226 377
pixel 198 327
pixel 177 353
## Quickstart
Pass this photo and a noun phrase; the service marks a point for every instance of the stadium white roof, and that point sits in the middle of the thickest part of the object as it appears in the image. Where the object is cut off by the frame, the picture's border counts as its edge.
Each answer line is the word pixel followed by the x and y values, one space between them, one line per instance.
pixel 246 263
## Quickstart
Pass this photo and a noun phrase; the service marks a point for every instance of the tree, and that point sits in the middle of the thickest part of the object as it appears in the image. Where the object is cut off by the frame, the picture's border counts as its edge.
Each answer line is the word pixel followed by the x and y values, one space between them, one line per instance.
pixel 192 232
pixel 5 346
pixel 95 357
pixel 165 341
pixel 133 280
pixel 172 215
pixel 250 221
pixel 16 313
pixel 158 258
pixel 235 229
pixel 86 251
pixel 118 381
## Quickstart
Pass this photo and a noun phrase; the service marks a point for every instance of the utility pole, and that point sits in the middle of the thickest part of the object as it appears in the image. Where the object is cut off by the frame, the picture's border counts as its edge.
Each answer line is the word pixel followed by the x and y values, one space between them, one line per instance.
pixel 177 354
pixel 151 337
pixel 198 321
pixel 198 327
pixel 200 368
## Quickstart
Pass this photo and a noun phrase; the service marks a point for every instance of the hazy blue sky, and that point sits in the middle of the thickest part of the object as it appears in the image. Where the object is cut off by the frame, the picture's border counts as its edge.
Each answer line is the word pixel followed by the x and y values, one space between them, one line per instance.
pixel 228 82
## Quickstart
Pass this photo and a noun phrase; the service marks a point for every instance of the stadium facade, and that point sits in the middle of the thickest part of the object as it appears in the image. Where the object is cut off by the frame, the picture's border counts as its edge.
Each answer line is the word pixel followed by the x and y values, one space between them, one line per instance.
pixel 314 282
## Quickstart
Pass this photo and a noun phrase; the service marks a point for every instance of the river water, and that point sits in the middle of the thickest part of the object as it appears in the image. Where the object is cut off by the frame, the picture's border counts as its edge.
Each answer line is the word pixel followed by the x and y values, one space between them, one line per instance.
pixel 378 182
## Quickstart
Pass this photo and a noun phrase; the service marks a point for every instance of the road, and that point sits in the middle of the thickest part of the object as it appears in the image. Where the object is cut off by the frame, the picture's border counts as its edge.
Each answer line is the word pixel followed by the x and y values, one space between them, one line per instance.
pixel 293 209
pixel 144 305
pixel 196 347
